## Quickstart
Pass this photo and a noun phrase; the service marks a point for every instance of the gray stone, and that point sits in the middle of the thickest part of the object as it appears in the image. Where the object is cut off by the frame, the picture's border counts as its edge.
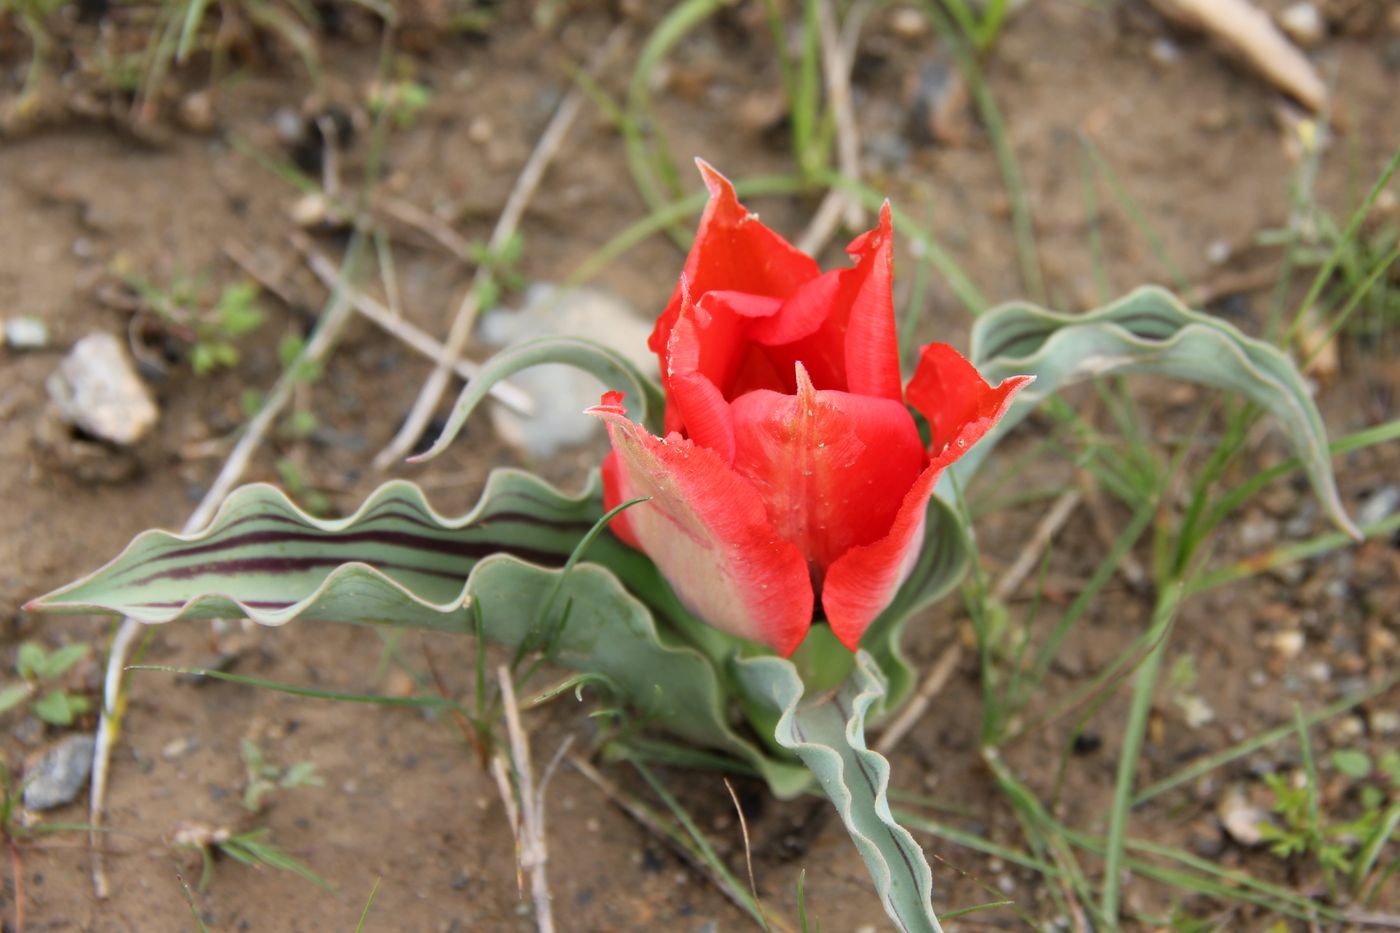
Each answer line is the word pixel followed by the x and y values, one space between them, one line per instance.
pixel 1303 23
pixel 560 393
pixel 96 388
pixel 59 774
pixel 26 333
pixel 1378 506
pixel 1241 819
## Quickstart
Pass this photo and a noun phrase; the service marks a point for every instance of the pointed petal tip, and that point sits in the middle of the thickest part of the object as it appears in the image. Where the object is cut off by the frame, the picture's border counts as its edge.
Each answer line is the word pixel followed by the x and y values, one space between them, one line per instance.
pixel 718 185
pixel 609 404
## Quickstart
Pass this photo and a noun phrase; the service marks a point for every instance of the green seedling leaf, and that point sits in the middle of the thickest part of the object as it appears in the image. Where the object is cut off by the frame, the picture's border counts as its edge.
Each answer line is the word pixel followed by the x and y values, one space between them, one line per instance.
pixel 58 708
pixel 612 368
pixel 1147 331
pixel 398 562
pixel 1352 762
pixel 60 661
pixel 13 696
pixel 828 734
pixel 30 660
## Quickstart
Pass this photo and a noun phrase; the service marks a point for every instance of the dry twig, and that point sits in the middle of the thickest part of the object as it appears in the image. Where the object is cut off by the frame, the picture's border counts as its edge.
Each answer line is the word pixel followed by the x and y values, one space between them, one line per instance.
pixel 933 685
pixel 109 722
pixel 1250 33
pixel 1048 527
pixel 838 54
pixel 527 820
pixel 649 821
pixel 503 392
pixel 464 322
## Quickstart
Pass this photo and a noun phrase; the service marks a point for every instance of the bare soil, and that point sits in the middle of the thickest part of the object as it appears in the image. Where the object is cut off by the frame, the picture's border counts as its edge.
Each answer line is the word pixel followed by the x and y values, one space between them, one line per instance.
pixel 1195 139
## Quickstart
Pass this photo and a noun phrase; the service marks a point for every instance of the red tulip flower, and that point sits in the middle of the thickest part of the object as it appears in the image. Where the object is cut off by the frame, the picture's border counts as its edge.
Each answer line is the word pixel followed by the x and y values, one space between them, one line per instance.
pixel 791 471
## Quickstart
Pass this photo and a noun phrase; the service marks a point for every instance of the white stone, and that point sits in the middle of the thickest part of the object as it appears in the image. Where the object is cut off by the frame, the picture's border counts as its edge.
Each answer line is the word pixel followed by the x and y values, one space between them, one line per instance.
pixel 1303 23
pixel 96 388
pixel 560 392
pixel 26 333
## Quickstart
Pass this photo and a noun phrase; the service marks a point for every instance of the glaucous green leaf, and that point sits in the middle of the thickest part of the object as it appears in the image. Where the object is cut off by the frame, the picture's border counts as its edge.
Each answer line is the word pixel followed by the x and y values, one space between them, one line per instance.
pixel 1147 331
pixel 828 734
pixel 398 562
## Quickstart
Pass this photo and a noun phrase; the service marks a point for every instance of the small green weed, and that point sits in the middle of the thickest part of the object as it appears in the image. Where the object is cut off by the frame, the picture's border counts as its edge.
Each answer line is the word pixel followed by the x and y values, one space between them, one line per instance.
pixel 212 334
pixel 39 671
pixel 1346 851
pixel 402 101
pixel 265 777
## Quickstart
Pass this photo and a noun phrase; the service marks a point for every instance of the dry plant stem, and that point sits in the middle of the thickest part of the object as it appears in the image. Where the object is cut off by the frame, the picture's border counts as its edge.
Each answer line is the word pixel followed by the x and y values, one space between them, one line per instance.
pixel 838 202
pixel 648 821
pixel 325 270
pixel 17 874
pixel 529 180
pixel 748 851
pixel 932 686
pixel 1048 527
pixel 333 321
pixel 837 72
pixel 1250 33
pixel 1129 568
pixel 531 851
pixel 442 232
pixel 244 259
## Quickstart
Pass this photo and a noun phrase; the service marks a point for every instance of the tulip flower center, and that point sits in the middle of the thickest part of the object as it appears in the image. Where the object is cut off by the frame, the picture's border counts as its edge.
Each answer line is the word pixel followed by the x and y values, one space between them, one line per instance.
pixel 831 467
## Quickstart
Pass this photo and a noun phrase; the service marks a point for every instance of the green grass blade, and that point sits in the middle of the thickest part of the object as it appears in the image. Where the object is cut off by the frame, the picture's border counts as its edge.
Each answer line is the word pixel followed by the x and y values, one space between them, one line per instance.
pixel 1134 732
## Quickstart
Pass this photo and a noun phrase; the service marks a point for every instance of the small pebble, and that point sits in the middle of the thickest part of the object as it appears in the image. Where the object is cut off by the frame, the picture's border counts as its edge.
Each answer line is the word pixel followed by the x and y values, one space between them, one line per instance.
pixel 59 774
pixel 1218 252
pixel 1196 711
pixel 96 389
pixel 1318 672
pixel 1385 721
pixel 26 333
pixel 1164 51
pixel 908 23
pixel 1241 819
pixel 179 748
pixel 555 388
pixel 1287 645
pixel 1304 24
pixel 1379 505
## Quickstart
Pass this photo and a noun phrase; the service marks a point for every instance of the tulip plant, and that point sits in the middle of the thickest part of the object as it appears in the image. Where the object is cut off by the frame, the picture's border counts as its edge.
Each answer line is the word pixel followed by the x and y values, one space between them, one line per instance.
pixel 740 572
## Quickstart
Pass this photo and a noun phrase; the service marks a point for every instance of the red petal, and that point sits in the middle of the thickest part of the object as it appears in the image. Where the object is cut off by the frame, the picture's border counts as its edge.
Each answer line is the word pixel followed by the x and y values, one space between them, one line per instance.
pixel 621 524
pixel 960 407
pixel 708 533
pixel 831 467
pixel 854 347
pixel 733 251
pixel 861 583
pixel 872 347
pixel 703 355
pixel 957 402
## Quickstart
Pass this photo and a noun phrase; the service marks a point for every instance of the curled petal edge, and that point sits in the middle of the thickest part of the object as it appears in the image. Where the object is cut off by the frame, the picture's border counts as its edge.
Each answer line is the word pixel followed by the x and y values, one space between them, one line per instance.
pixel 861 582
pixel 708 533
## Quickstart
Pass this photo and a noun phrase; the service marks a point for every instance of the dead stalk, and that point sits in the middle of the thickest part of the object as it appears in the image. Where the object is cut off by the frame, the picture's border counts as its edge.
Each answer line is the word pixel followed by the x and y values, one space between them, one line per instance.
pixel 837 72
pixel 109 723
pixel 464 322
pixel 322 267
pixel 526 814
pixel 1048 527
pixel 838 53
pixel 645 818
pixel 748 850
pixel 932 686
